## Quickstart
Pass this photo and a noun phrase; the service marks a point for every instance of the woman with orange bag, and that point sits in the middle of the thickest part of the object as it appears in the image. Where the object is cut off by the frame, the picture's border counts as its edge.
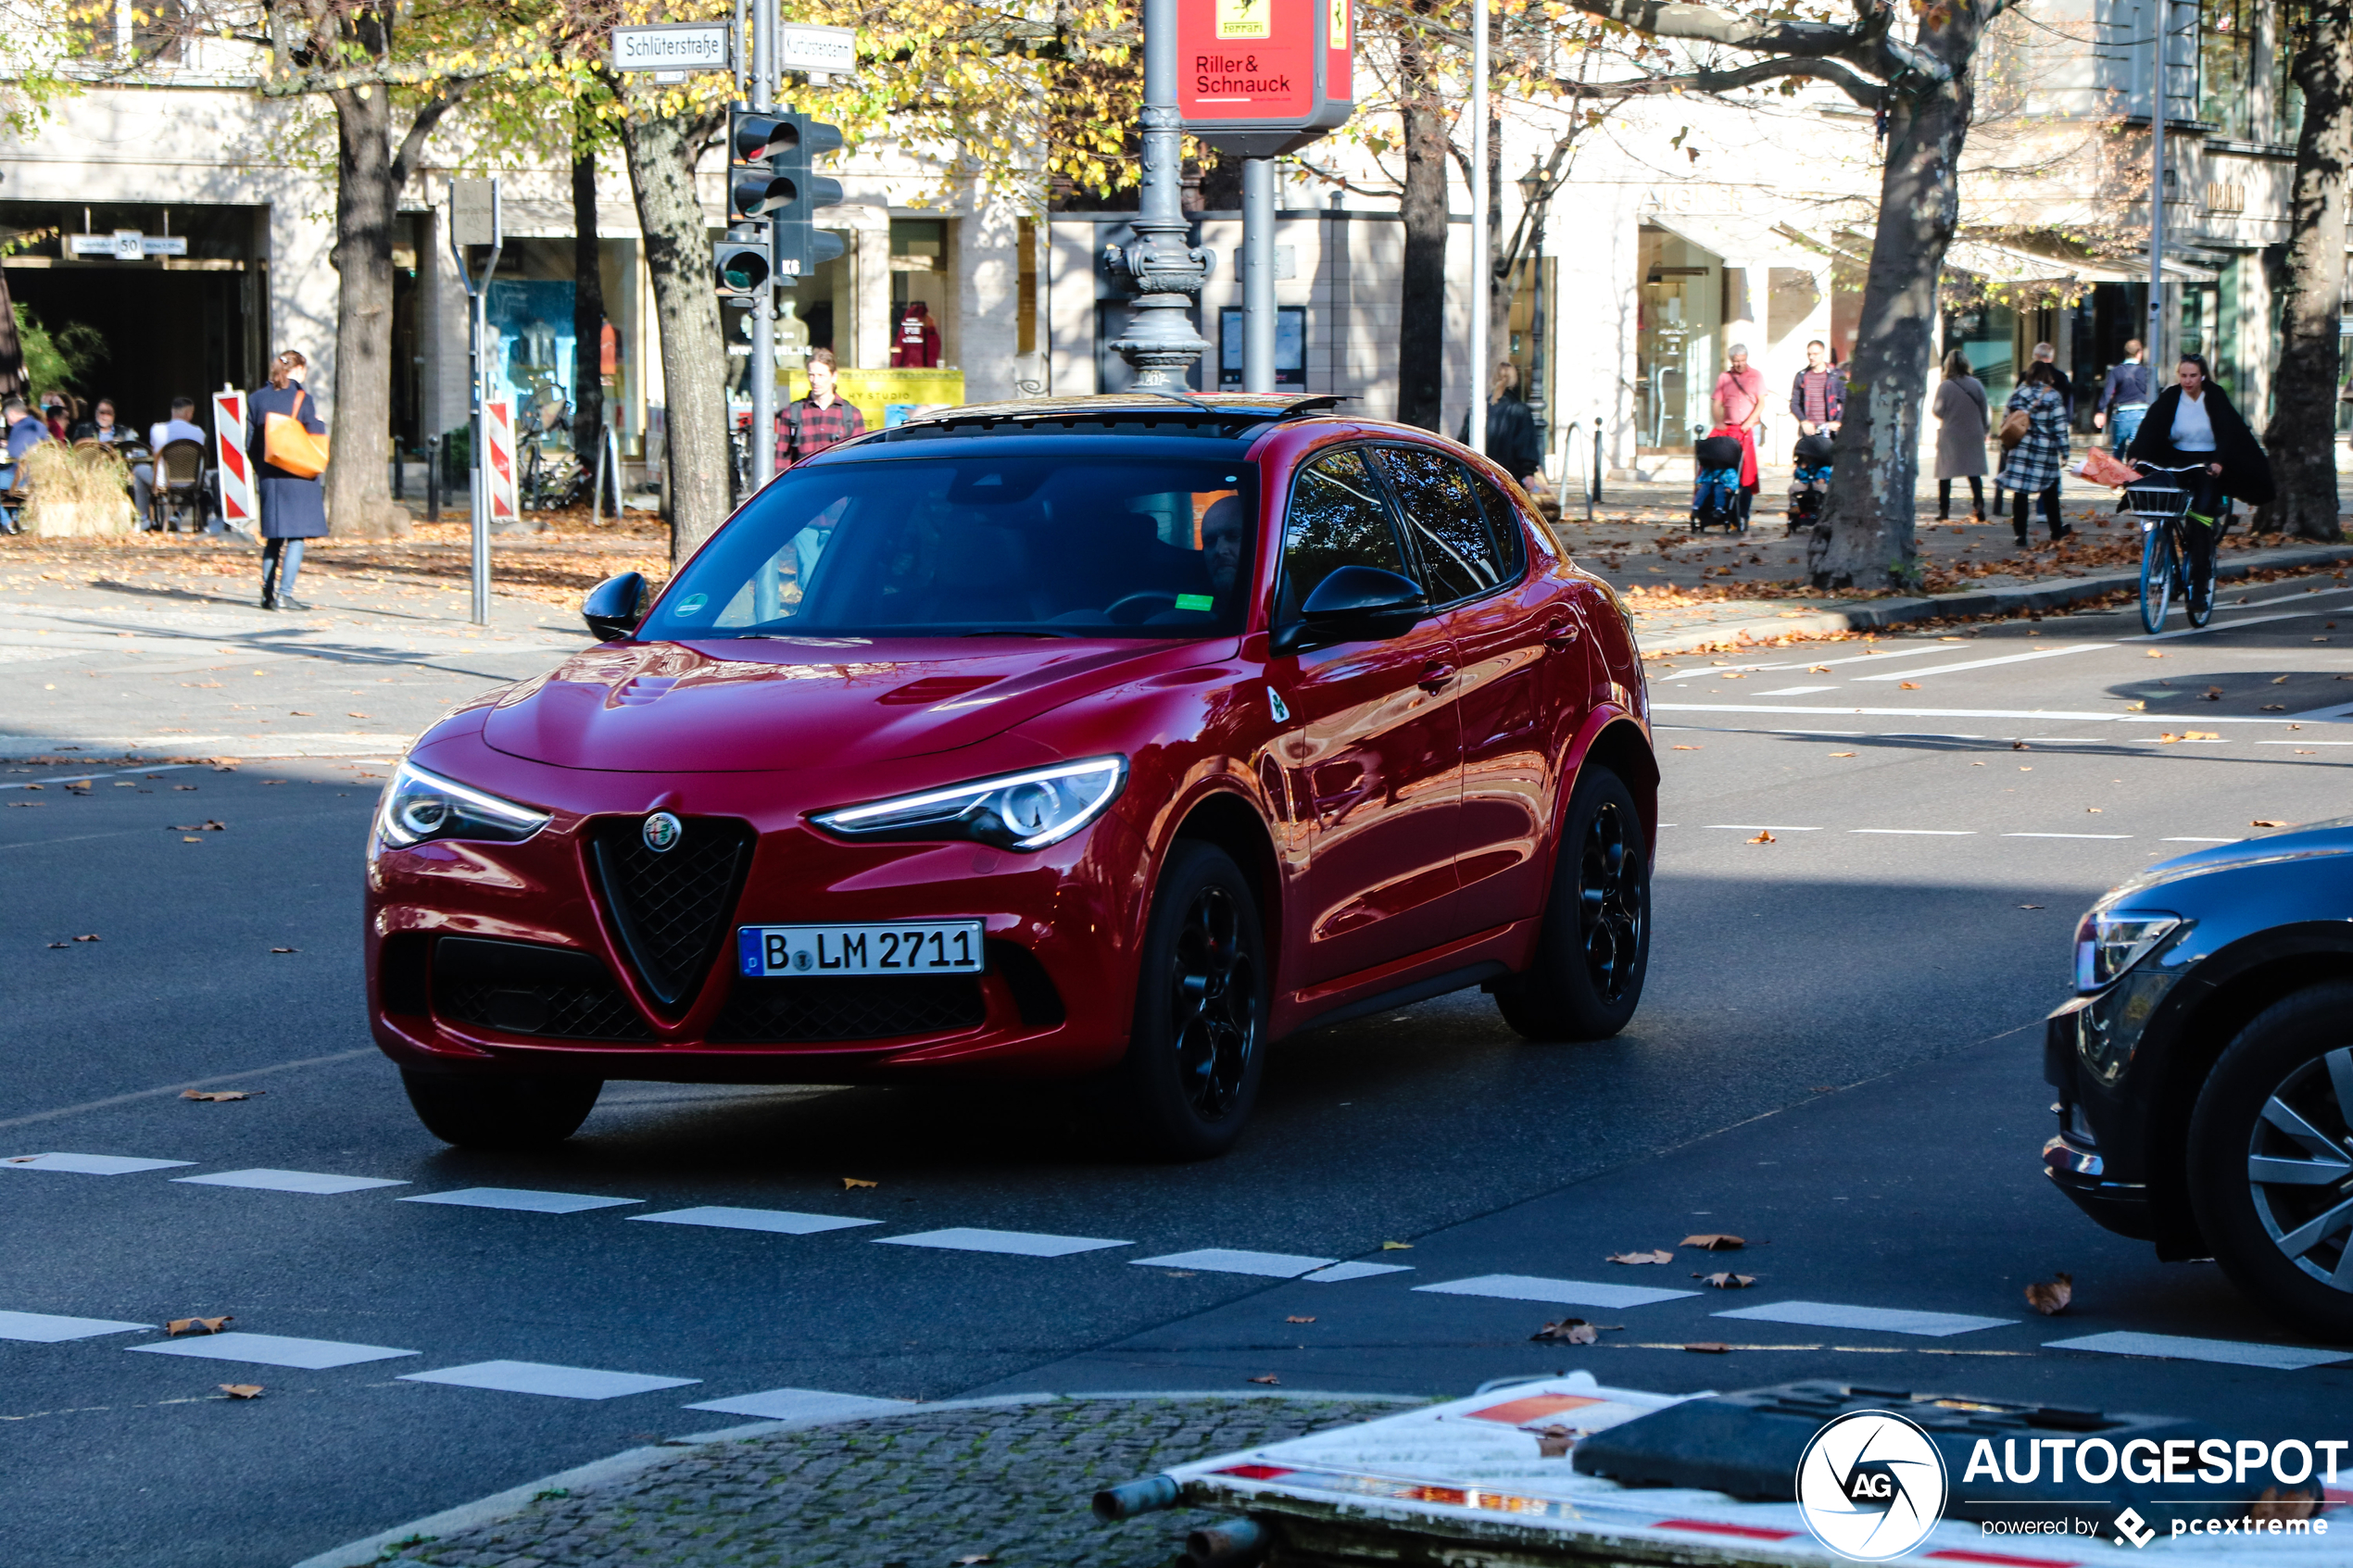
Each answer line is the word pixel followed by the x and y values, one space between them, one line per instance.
pixel 293 504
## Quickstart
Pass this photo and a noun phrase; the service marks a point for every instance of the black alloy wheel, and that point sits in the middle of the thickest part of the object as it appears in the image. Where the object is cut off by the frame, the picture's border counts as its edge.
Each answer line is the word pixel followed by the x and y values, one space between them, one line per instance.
pixel 1198 1049
pixel 2271 1160
pixel 1586 980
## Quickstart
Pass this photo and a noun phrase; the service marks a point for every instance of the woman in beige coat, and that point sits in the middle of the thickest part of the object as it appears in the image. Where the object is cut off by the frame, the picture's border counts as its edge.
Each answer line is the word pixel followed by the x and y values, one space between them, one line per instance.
pixel 1962 419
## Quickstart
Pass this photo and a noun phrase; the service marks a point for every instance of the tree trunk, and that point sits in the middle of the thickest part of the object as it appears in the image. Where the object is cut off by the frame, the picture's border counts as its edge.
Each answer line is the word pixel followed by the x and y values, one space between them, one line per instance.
pixel 2302 434
pixel 1421 288
pixel 694 356
pixel 588 309
pixel 359 501
pixel 1865 539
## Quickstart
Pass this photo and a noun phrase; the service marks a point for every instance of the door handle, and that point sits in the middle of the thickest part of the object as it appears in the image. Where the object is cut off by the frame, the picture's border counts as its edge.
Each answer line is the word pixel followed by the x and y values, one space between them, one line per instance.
pixel 1560 634
pixel 1435 677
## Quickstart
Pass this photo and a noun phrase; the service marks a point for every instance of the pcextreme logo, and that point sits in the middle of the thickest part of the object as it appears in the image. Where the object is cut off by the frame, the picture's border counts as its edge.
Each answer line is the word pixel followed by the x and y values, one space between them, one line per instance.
pixel 1870 1485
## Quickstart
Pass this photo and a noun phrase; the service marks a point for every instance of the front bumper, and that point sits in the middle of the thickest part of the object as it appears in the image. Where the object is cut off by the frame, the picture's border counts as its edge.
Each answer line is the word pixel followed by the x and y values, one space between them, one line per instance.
pixel 2121 1207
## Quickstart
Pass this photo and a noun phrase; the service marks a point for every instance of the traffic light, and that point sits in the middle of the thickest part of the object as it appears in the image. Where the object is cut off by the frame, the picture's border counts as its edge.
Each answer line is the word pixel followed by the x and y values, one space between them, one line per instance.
pixel 743 264
pixel 757 184
pixel 800 246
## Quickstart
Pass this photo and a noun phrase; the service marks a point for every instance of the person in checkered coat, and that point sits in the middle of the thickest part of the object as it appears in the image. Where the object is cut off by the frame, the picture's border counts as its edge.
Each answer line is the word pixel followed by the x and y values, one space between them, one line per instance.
pixel 2033 467
pixel 807 425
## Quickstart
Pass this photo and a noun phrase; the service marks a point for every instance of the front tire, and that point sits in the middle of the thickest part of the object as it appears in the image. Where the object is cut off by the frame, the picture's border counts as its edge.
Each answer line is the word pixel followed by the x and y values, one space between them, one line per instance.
pixel 2270 1171
pixel 1595 949
pixel 2156 576
pixel 1198 1047
pixel 506 1115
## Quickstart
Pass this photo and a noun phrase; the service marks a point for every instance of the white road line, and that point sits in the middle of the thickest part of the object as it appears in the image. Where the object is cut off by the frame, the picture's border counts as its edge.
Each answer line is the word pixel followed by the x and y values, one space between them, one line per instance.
pixel 77 778
pixel 289 1181
pixel 1559 1292
pixel 89 1164
pixel 1760 827
pixel 1986 663
pixel 2292 598
pixel 780 1222
pixel 1796 691
pixel 2228 1352
pixel 801 1404
pixel 1833 1314
pixel 273 1350
pixel 1921 833
pixel 2338 711
pixel 523 1200
pixel 2067 835
pixel 2301 742
pixel 2215 626
pixel 558 1382
pixel 1021 1244
pixel 44 1328
pixel 2199 841
pixel 1808 664
pixel 1227 1261
pixel 1340 1273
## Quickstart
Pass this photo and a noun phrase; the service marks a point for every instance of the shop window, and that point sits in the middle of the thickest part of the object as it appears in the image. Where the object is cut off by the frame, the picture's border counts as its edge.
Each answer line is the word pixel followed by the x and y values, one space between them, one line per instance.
pixel 2226 65
pixel 919 277
pixel 1675 343
pixel 1987 334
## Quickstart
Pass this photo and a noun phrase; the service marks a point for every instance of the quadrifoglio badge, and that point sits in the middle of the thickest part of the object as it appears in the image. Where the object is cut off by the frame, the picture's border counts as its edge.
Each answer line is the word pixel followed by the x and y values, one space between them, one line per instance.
pixel 1872 1486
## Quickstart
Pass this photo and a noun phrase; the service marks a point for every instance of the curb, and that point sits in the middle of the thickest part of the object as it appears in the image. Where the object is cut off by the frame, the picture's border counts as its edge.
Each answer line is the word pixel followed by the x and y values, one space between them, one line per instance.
pixel 630 1462
pixel 2055 593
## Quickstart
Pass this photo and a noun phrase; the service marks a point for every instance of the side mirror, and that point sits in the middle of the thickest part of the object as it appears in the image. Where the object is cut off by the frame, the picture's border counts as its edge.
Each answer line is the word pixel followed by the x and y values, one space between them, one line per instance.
pixel 614 606
pixel 1352 602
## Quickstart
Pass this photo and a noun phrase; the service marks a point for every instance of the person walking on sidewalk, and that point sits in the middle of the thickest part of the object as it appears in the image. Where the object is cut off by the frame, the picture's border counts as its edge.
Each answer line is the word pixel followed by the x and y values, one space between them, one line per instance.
pixel 1740 405
pixel 1511 426
pixel 807 425
pixel 1817 397
pixel 2033 467
pixel 2124 397
pixel 1963 417
pixel 294 506
pixel 2191 424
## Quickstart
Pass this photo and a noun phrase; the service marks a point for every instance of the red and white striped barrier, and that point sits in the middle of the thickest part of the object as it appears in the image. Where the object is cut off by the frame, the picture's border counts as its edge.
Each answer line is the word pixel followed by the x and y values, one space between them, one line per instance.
pixel 238 507
pixel 498 418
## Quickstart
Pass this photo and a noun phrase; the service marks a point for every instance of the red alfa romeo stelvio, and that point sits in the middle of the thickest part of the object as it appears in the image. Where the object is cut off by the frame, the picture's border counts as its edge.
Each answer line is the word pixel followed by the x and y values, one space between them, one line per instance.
pixel 1104 737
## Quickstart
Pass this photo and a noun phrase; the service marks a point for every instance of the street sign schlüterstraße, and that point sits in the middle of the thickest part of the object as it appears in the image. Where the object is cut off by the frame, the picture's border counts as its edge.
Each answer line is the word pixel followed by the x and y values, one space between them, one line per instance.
pixel 671 46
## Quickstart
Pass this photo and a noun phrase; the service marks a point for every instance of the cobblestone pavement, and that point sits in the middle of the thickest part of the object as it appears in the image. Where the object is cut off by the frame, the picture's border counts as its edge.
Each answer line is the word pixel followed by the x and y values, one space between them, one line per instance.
pixel 1008 1485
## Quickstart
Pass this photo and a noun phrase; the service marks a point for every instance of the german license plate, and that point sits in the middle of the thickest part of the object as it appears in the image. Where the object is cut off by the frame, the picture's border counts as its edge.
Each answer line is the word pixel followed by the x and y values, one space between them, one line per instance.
pixel 916 946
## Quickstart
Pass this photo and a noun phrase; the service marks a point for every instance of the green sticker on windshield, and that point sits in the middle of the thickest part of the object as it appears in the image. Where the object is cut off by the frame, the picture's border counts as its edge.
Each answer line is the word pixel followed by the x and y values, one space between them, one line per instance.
pixel 1195 601
pixel 692 604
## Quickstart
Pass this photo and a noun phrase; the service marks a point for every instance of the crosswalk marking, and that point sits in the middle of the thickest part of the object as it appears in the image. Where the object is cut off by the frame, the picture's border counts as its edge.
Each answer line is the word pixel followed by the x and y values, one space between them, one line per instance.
pixel 1227 1261
pixel 266 1180
pixel 2228 1352
pixel 802 1404
pixel 556 1382
pixel 1834 1314
pixel 1909 672
pixel 89 1164
pixel 273 1350
pixel 1339 1272
pixel 2067 835
pixel 1921 833
pixel 523 1200
pixel 44 1328
pixel 1559 1292
pixel 782 1221
pixel 1023 1243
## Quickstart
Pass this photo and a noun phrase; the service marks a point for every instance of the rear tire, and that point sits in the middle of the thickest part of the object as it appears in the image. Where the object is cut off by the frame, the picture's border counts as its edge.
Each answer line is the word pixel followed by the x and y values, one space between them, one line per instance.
pixel 2156 576
pixel 2269 1168
pixel 1595 949
pixel 509 1115
pixel 1198 1046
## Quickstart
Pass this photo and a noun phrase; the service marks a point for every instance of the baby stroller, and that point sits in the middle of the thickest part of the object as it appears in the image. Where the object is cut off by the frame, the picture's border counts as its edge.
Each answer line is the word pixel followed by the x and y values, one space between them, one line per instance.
pixel 1718 499
pixel 1810 481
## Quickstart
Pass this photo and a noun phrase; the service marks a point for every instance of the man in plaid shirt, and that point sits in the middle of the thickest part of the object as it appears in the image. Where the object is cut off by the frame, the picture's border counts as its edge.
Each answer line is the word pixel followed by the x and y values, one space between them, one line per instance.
pixel 807 425
pixel 1817 397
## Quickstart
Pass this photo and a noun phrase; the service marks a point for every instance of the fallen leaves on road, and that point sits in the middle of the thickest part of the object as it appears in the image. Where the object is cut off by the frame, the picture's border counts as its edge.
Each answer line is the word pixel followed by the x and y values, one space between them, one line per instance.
pixel 2201 734
pixel 1713 1242
pixel 1817 670
pixel 851 1183
pixel 2308 753
pixel 2168 738
pixel 1571 1331
pixel 2136 708
pixel 221 1095
pixel 242 1390
pixel 192 1325
pixel 2279 680
pixel 1725 1280
pixel 1690 748
pixel 1299 1320
pixel 357 715
pixel 1907 686
pixel 2050 1296
pixel 975 1558
pixel 2019 746
pixel 300 713
pixel 2277 1504
pixel 190 838
pixel 1268 1378
pixel 1842 754
pixel 36 786
pixel 92 937
pixel 2275 707
pixel 2257 822
pixel 1709 1348
pixel 1397 1247
pixel 191 788
pixel 2094 809
pixel 2030 905
pixel 1180 1274
pixel 1764 835
pixel 1661 1256
pixel 285 949
pixel 2212 694
pixel 2153 654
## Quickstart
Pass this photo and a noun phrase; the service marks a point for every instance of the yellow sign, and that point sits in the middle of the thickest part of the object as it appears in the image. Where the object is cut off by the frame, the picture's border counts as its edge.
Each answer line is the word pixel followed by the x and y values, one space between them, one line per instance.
pixel 1340 24
pixel 873 393
pixel 1246 18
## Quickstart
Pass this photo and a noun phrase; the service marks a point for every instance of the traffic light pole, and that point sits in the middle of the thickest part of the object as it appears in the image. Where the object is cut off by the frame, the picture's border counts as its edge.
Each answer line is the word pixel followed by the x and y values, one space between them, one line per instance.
pixel 762 436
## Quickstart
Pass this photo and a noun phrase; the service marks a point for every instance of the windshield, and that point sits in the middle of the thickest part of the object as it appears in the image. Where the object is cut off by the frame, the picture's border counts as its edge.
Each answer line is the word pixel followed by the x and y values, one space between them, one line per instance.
pixel 976 545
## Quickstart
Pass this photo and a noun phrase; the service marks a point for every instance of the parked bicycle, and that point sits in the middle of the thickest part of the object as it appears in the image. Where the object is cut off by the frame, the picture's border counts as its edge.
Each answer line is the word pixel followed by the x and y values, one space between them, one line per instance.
pixel 2160 502
pixel 548 478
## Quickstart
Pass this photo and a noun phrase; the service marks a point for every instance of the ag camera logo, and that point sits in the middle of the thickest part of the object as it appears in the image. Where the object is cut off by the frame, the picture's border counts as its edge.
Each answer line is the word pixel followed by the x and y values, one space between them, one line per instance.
pixel 1870 1485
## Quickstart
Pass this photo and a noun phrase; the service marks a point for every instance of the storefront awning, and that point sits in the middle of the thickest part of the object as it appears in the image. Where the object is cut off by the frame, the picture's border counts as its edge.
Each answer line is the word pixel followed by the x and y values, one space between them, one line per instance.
pixel 1735 240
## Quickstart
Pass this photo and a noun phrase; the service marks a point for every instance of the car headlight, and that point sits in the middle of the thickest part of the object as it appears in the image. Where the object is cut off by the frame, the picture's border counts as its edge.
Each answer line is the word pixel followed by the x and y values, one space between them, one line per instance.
pixel 1027 811
pixel 418 807
pixel 2108 942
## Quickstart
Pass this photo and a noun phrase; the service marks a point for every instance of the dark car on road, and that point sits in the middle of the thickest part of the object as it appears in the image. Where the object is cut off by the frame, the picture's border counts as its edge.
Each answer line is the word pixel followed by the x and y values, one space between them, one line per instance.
pixel 1084 738
pixel 2205 1068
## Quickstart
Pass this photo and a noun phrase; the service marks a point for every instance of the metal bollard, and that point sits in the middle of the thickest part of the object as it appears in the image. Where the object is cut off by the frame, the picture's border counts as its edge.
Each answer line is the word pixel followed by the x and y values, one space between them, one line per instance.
pixel 1131 1498
pixel 399 471
pixel 432 479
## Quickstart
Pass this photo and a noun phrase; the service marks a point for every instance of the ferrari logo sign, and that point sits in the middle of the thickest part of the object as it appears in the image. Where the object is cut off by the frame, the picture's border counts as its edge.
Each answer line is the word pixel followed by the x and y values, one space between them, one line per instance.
pixel 1338 27
pixel 1243 18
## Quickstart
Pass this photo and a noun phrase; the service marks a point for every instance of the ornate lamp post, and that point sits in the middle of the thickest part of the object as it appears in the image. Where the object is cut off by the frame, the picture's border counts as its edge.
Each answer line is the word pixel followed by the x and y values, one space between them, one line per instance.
pixel 1166 268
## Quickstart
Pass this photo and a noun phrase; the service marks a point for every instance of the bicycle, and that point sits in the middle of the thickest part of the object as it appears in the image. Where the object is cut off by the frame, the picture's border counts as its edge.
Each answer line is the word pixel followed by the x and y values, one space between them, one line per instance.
pixel 2164 552
pixel 550 480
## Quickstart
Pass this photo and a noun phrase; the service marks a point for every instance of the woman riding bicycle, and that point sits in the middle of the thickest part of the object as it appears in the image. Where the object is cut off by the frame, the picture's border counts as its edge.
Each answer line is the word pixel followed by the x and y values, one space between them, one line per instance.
pixel 2192 425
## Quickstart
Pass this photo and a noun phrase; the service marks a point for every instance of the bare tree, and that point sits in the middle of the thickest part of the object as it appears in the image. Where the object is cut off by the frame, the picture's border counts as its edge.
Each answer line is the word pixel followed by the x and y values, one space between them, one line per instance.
pixel 587 297
pixel 2302 434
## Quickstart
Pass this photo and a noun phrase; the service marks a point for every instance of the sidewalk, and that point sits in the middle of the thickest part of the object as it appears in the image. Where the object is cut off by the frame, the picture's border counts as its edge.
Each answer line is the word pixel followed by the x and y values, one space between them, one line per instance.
pixel 1005 1483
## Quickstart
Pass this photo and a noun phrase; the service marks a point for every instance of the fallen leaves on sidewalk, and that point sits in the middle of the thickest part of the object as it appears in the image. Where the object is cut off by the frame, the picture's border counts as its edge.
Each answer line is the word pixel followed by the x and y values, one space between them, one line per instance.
pixel 2050 1296
pixel 1712 1242
pixel 1661 1256
pixel 242 1390
pixel 2277 1504
pixel 1725 1280
pixel 851 1183
pixel 1268 1378
pixel 192 1325
pixel 1764 835
pixel 1574 1331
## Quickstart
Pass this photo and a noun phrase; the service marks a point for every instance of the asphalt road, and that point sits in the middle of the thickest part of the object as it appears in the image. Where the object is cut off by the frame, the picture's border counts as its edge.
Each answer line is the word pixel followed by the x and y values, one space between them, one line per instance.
pixel 1838 1059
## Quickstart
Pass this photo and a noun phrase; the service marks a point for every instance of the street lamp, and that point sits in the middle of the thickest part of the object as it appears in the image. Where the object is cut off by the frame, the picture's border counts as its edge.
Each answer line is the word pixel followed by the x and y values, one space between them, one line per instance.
pixel 1163 264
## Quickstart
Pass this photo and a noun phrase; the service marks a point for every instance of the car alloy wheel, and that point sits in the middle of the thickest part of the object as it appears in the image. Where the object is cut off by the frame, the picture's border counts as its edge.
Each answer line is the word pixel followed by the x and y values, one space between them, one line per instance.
pixel 1609 902
pixel 2299 1167
pixel 1212 1004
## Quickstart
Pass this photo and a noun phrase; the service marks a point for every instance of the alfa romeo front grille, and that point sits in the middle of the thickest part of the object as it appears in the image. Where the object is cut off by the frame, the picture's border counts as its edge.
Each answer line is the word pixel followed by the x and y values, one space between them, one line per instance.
pixel 523 988
pixel 670 908
pixel 852 1008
